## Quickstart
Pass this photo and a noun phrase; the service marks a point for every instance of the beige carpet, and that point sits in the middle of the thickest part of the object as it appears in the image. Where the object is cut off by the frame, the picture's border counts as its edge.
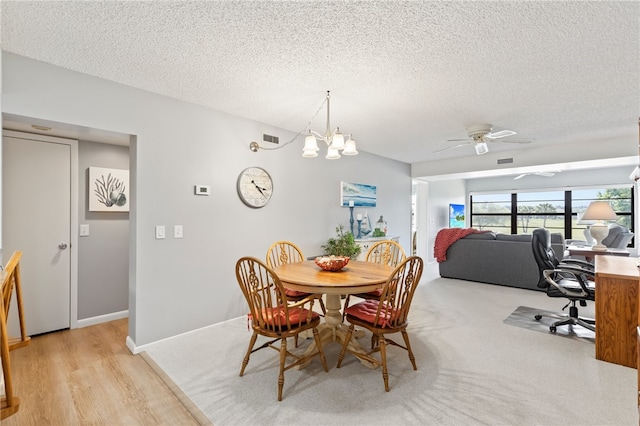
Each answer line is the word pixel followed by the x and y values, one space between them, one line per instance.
pixel 472 369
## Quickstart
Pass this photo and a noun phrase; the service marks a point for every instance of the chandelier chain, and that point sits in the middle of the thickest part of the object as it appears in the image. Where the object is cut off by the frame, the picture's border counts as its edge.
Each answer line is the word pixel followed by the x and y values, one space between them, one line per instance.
pixel 308 125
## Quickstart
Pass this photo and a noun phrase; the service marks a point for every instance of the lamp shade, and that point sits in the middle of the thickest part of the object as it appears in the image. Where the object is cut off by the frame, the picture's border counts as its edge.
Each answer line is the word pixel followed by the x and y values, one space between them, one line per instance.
pixel 337 142
pixel 350 147
pixel 599 210
pixel 332 154
pixel 582 221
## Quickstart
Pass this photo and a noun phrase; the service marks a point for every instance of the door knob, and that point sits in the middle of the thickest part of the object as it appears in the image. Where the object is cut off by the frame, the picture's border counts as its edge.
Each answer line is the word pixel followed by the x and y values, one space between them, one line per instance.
pixel 62 246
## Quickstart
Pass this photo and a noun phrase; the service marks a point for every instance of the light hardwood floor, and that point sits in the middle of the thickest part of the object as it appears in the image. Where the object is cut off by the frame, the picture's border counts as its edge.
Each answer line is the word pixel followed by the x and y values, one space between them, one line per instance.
pixel 88 376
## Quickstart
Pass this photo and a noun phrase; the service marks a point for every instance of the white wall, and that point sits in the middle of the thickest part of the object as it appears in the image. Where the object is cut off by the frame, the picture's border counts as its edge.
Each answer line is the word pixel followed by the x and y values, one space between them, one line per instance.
pixel 441 194
pixel 178 285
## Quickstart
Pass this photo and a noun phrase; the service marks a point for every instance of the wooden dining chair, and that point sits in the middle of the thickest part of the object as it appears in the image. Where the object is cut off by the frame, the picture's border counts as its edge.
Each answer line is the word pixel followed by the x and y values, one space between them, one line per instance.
pixel 271 315
pixel 386 252
pixel 387 315
pixel 282 252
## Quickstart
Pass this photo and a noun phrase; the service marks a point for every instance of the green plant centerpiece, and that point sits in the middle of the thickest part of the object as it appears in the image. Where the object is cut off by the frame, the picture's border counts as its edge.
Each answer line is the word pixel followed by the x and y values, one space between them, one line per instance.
pixel 338 250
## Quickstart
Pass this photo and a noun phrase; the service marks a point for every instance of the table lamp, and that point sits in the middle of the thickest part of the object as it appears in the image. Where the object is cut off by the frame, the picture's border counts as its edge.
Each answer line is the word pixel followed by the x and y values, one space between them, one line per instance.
pixel 599 211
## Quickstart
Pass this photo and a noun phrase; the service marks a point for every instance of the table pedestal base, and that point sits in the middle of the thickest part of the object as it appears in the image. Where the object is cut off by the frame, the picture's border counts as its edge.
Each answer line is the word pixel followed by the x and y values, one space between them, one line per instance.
pixel 333 330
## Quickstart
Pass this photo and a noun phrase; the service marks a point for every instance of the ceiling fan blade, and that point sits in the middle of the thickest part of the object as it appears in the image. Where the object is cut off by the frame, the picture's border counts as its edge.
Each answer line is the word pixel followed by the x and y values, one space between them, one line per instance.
pixel 500 134
pixel 545 174
pixel 460 140
pixel 516 141
pixel 451 147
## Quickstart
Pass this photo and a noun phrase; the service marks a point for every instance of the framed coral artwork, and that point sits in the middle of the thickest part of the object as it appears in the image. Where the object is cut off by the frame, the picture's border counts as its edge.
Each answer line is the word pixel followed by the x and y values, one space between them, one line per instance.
pixel 108 190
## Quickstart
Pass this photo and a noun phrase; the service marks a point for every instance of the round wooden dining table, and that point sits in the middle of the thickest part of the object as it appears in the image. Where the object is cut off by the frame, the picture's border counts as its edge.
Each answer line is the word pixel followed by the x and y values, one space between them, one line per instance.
pixel 356 277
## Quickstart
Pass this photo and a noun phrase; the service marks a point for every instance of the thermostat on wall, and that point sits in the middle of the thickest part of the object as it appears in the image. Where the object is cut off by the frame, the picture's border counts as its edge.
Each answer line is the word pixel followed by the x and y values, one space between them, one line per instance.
pixel 202 189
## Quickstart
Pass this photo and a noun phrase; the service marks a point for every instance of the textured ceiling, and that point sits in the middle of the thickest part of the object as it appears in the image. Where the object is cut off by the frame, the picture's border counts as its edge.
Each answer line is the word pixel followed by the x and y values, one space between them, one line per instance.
pixel 404 76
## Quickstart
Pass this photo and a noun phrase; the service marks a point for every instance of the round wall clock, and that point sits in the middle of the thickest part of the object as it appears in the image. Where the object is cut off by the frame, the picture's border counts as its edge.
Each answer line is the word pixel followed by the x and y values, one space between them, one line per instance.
pixel 255 187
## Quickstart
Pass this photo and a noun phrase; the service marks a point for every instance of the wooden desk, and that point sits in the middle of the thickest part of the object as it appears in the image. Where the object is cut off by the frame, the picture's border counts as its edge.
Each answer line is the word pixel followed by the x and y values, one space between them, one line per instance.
pixel 356 277
pixel 617 291
pixel 590 253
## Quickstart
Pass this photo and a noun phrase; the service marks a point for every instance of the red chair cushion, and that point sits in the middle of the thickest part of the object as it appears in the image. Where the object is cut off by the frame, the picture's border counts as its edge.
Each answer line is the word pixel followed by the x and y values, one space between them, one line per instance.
pixel 366 311
pixel 295 293
pixel 276 317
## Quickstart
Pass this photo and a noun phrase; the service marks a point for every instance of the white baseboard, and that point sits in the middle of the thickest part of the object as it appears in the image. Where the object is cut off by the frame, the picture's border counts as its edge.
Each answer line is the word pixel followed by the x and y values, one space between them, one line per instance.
pixel 137 349
pixel 102 318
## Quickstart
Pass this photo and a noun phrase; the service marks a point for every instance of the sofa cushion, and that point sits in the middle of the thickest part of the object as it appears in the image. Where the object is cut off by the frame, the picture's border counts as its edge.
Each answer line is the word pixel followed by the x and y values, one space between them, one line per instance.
pixel 482 236
pixel 509 237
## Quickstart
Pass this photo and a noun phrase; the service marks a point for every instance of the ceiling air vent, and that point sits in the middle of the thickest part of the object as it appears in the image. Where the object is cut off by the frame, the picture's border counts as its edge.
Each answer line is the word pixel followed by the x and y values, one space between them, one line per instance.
pixel 505 160
pixel 270 138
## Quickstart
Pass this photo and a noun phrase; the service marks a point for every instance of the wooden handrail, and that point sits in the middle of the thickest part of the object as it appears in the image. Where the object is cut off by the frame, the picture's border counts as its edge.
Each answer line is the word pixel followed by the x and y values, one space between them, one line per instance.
pixel 9 404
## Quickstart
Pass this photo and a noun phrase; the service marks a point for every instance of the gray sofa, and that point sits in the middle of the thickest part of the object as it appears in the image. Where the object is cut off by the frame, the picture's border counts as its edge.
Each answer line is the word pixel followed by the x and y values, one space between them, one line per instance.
pixel 496 259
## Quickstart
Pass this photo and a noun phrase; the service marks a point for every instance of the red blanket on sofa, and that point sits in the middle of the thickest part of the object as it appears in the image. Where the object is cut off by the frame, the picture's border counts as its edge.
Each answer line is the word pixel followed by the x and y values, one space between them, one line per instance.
pixel 448 236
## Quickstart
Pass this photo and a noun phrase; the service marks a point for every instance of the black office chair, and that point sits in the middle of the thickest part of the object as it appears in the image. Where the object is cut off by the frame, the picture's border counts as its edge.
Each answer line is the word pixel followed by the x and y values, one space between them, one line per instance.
pixel 568 278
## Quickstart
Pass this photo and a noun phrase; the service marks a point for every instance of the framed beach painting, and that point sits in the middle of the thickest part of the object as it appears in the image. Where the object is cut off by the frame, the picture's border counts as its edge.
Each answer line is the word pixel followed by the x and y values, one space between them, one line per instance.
pixel 456 215
pixel 357 195
pixel 108 190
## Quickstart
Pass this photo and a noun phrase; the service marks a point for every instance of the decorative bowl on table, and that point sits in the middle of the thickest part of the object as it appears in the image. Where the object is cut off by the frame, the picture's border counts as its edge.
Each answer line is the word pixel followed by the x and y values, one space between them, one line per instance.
pixel 332 263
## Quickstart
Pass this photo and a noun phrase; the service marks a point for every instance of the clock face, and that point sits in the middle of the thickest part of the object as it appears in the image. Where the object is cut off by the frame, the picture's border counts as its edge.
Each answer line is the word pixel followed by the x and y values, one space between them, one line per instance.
pixel 255 187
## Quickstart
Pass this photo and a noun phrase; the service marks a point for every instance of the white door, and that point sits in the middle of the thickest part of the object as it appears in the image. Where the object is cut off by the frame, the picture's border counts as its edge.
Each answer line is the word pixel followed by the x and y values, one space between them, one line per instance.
pixel 36 218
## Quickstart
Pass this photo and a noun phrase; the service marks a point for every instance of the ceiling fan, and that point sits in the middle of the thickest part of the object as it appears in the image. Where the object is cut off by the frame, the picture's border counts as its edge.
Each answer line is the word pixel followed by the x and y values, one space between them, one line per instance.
pixel 480 134
pixel 545 174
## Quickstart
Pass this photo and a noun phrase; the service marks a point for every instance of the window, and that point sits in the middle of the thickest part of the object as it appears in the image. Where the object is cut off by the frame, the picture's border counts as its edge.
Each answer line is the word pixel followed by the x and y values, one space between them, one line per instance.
pixel 540 210
pixel 621 199
pixel 491 212
pixel 558 211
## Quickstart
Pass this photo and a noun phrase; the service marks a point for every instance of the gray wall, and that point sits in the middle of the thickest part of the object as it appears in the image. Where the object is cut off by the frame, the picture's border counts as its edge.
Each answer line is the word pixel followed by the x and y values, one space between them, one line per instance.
pixel 178 285
pixel 103 256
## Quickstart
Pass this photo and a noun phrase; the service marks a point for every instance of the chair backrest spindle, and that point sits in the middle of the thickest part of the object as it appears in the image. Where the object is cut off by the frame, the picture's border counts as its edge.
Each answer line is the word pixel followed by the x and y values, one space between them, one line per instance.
pixel 386 252
pixel 283 252
pixel 397 293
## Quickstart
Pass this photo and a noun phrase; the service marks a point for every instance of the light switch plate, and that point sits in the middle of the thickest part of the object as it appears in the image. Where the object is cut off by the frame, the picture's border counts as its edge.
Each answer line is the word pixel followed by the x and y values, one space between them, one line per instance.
pixel 159 232
pixel 202 189
pixel 84 230
pixel 177 231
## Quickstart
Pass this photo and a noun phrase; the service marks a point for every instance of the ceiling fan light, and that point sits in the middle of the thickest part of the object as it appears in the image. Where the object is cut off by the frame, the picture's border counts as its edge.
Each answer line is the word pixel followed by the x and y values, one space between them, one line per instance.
pixel 481 148
pixel 350 147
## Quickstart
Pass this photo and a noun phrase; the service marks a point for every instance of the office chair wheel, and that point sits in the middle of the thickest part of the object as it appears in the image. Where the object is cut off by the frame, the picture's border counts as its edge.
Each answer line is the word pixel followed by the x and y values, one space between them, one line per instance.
pixel 538 317
pixel 552 328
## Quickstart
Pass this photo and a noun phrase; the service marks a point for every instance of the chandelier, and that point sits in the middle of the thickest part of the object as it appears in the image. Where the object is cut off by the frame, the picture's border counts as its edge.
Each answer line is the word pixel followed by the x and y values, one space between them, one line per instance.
pixel 335 140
